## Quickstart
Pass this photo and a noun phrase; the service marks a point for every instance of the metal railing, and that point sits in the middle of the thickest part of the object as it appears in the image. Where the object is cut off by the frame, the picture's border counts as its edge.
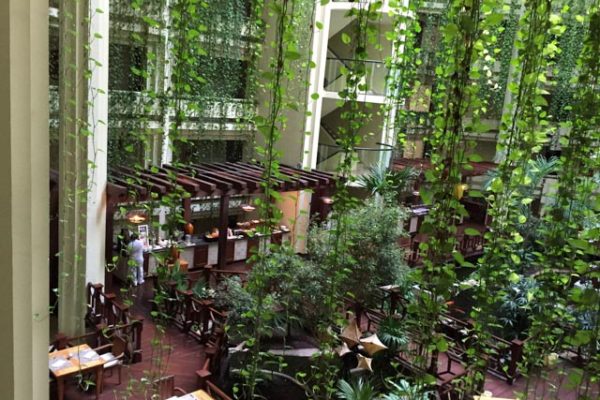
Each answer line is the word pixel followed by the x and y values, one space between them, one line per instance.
pixel 374 80
pixel 330 156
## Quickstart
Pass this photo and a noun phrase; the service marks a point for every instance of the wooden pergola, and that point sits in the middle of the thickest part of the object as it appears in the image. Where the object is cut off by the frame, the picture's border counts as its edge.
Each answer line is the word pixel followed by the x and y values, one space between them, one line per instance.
pixel 216 180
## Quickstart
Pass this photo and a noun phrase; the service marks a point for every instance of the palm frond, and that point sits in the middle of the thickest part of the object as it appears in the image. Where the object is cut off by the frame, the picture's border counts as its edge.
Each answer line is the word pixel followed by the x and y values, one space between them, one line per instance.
pixel 357 390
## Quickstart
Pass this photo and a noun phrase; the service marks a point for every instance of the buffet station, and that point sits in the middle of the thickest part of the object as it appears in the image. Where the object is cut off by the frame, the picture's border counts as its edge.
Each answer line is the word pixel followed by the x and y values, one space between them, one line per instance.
pixel 216 221
pixel 197 251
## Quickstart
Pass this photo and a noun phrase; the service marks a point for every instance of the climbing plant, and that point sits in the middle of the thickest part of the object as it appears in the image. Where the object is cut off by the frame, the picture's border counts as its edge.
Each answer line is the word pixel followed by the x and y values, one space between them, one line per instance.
pixel 284 54
pixel 524 128
pixel 565 270
pixel 466 39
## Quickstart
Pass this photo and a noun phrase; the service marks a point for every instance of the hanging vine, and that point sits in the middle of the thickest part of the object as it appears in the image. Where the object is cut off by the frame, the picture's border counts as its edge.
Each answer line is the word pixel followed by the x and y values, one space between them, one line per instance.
pixel 525 128
pixel 466 39
pixel 570 304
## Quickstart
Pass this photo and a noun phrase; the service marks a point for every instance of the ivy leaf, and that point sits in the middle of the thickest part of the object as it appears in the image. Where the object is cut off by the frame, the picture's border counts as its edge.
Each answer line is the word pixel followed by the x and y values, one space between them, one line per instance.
pixel 458 257
pixel 475 158
pixel 346 39
pixel 517 237
pixel 472 232
pixel 442 345
pixel 450 30
pixel 515 258
pixel 495 18
pixel 292 55
pixel 497 186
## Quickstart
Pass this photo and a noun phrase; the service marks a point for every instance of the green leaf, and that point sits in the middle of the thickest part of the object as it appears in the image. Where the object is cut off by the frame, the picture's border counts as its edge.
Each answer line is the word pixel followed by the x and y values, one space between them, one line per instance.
pixel 517 237
pixel 346 39
pixel 442 345
pixel 514 277
pixel 472 232
pixel 292 55
pixel 515 258
pixel 494 19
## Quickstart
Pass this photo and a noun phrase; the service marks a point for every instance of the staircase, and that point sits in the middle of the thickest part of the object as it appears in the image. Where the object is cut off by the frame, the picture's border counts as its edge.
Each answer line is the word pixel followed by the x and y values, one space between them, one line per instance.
pixel 333 74
pixel 327 151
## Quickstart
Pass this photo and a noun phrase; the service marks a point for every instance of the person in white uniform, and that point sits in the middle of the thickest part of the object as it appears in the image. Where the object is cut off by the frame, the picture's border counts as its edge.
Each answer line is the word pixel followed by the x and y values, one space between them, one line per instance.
pixel 136 255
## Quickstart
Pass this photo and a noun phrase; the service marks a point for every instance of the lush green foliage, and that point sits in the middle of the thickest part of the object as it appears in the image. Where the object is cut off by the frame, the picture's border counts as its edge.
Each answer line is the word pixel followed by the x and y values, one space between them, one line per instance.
pixel 373 256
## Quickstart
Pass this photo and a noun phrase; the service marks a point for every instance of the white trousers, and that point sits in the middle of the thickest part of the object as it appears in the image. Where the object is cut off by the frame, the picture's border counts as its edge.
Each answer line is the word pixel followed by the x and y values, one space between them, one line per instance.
pixel 137 271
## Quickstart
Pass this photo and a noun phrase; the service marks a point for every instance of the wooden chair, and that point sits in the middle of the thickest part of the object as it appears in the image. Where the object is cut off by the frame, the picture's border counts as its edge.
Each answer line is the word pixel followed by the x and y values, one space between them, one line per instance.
pixel 215 392
pixel 113 354
pixel 165 388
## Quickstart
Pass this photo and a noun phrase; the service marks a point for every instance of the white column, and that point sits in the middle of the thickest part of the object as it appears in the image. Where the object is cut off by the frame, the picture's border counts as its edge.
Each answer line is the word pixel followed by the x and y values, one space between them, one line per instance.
pixel 24 174
pixel 83 110
pixel 97 142
pixel 167 152
pixel 317 74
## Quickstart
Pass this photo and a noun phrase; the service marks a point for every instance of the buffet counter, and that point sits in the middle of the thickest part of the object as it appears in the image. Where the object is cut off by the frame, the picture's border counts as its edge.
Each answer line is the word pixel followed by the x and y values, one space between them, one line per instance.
pixel 199 252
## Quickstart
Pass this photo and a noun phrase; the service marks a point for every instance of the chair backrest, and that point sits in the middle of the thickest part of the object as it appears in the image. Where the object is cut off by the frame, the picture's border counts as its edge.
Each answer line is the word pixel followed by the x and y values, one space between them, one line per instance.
pixel 214 391
pixel 119 345
pixel 164 387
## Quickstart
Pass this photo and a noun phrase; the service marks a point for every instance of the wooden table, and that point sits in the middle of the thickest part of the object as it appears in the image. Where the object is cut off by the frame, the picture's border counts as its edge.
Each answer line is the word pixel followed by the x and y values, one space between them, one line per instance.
pixel 72 361
pixel 197 395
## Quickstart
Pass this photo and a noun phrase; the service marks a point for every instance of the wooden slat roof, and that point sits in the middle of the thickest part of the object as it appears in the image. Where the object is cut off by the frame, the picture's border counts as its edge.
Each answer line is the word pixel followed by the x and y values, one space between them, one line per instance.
pixel 215 179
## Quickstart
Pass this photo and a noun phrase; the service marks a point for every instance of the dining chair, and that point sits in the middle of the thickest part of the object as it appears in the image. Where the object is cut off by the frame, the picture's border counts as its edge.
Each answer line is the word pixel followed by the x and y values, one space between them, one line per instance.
pixel 113 354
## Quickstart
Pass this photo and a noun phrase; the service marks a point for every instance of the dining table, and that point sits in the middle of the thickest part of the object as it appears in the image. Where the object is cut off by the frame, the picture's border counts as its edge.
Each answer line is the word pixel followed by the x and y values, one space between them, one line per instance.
pixel 197 395
pixel 72 361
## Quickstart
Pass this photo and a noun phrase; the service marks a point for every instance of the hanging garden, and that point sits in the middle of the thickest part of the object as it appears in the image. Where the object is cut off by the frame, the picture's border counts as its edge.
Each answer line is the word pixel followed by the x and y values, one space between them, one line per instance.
pixel 450 249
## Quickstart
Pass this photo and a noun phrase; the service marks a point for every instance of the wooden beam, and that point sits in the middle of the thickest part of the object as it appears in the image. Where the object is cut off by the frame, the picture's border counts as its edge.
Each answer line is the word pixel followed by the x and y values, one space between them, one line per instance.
pixel 205 187
pixel 141 181
pixel 140 190
pixel 252 182
pixel 258 171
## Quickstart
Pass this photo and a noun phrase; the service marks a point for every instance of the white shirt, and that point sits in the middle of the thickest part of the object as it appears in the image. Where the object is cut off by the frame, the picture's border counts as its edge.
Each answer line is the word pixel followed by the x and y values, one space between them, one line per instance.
pixel 136 250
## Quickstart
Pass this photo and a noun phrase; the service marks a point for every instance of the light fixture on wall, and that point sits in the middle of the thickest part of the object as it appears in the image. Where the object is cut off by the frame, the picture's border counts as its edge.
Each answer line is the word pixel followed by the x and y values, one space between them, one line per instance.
pixel 327 200
pixel 248 207
pixel 136 216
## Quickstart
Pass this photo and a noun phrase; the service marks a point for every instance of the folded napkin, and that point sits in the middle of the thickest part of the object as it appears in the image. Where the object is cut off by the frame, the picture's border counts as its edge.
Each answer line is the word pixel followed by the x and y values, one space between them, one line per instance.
pixel 188 397
pixel 58 363
pixel 88 355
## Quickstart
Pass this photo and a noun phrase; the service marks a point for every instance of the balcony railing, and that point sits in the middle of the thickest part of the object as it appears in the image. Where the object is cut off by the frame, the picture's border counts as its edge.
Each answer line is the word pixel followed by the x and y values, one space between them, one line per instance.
pixel 375 77
pixel 330 156
pixel 228 115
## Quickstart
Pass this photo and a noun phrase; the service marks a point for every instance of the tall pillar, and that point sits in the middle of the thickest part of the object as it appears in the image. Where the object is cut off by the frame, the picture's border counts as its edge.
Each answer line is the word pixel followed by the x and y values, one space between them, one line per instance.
pixel 166 149
pixel 317 76
pixel 95 262
pixel 24 198
pixel 83 109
